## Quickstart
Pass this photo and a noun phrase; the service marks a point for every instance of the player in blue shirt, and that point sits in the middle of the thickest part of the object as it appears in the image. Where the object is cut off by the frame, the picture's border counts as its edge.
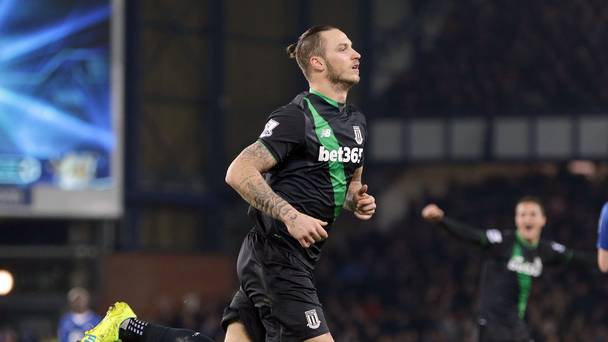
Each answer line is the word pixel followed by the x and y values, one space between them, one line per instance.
pixel 602 240
pixel 79 319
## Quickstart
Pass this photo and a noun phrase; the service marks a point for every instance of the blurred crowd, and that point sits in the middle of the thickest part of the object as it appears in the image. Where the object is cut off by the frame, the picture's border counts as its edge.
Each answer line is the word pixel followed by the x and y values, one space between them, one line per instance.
pixel 493 57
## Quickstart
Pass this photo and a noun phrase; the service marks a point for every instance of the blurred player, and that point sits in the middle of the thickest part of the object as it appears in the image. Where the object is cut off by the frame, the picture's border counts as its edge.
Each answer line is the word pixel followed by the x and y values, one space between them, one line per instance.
pixel 602 240
pixel 74 323
pixel 311 151
pixel 512 260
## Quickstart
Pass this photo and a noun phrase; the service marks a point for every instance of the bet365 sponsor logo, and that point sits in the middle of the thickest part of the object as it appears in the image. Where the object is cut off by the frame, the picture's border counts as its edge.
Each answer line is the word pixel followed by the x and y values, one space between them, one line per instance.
pixel 343 154
pixel 519 265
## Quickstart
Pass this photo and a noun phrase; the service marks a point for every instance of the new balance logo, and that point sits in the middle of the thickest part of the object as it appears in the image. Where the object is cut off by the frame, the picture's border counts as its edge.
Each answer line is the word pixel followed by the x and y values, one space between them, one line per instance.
pixel 326 133
pixel 342 154
pixel 313 320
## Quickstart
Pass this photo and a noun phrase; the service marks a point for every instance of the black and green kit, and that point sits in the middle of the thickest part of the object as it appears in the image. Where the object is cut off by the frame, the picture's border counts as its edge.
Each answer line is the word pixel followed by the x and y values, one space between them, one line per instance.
pixel 510 265
pixel 318 144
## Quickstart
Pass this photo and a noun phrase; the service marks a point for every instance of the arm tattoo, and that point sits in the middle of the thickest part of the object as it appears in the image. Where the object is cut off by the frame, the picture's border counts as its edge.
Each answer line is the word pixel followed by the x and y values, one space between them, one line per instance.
pixel 258 155
pixel 254 189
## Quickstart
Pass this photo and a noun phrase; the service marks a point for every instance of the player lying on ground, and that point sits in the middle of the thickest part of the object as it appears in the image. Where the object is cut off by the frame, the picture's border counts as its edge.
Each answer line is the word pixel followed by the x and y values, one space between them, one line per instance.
pixel 512 259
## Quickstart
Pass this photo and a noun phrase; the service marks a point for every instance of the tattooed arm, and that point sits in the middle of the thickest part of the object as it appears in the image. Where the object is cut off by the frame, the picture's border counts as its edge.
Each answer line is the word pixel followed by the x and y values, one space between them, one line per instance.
pixel 358 200
pixel 245 176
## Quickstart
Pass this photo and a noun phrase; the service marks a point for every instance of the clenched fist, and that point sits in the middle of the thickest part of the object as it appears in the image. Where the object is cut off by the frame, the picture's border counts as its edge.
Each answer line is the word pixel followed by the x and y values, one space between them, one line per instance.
pixel 432 213
pixel 365 204
pixel 306 229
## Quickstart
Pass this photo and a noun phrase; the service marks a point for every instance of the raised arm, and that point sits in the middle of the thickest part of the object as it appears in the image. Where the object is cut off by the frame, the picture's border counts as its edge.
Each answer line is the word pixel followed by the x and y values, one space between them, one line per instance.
pixel 245 176
pixel 559 254
pixel 584 258
pixel 434 214
pixel 362 204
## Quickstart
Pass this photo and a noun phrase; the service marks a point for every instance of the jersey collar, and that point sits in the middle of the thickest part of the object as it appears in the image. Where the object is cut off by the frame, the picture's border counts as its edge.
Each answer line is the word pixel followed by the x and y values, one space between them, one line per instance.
pixel 524 241
pixel 327 99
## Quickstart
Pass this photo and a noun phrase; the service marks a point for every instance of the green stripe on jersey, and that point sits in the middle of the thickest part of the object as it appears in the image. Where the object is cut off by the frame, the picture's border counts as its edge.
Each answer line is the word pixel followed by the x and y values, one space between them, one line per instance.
pixel 327 99
pixel 336 168
pixel 525 283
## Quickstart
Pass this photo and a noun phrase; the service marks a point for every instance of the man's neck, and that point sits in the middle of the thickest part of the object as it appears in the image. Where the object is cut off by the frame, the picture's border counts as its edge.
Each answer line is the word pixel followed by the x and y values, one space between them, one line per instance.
pixel 334 92
pixel 530 241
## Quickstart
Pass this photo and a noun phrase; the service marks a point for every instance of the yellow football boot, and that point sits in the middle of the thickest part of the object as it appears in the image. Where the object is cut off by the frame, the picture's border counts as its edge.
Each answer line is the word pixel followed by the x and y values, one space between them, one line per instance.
pixel 107 329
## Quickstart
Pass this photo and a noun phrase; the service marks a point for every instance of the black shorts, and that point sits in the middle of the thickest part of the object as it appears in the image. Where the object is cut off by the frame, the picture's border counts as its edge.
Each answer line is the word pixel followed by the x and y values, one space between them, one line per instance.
pixel 499 331
pixel 277 299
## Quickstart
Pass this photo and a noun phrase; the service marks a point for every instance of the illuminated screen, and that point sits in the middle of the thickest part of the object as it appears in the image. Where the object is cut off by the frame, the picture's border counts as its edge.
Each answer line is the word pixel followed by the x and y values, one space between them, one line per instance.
pixel 60 101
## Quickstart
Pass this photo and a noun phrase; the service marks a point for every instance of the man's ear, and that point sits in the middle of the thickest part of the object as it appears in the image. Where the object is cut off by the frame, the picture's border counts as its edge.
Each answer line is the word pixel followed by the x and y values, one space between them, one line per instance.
pixel 317 63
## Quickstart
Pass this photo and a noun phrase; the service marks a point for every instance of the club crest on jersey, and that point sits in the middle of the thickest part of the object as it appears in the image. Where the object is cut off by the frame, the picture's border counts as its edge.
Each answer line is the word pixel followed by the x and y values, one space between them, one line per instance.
pixel 270 125
pixel 313 319
pixel 358 135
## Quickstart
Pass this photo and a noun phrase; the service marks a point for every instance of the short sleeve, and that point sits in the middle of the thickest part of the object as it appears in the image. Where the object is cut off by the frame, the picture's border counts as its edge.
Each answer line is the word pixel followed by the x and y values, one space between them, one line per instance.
pixel 556 253
pixel 283 132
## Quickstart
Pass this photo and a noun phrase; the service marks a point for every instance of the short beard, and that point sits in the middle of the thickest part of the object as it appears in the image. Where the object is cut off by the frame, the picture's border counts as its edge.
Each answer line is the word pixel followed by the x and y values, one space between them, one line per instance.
pixel 337 81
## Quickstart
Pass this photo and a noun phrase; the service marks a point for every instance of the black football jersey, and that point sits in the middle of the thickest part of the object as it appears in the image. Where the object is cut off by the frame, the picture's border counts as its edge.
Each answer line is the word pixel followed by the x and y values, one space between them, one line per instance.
pixel 510 265
pixel 318 144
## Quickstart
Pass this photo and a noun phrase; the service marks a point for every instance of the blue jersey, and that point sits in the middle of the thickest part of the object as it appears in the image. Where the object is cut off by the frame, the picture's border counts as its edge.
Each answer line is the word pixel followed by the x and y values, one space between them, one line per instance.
pixel 73 325
pixel 602 229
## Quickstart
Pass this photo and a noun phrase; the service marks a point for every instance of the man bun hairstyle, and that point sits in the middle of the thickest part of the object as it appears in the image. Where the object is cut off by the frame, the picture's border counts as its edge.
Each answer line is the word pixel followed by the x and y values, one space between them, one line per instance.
pixel 310 43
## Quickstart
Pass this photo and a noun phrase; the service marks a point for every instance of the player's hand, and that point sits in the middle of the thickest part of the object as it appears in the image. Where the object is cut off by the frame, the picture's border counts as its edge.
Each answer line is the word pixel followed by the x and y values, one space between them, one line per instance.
pixel 306 229
pixel 432 213
pixel 364 203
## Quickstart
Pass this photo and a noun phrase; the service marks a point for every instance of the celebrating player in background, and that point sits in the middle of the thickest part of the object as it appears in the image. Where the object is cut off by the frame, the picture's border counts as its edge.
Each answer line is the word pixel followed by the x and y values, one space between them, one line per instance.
pixel 602 240
pixel 311 151
pixel 512 260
